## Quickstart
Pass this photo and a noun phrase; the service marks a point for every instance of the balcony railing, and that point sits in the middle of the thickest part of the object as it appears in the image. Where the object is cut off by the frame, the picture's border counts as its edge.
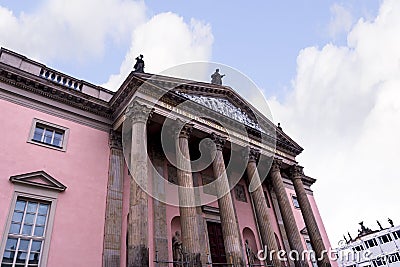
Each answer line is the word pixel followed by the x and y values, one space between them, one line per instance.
pixel 61 79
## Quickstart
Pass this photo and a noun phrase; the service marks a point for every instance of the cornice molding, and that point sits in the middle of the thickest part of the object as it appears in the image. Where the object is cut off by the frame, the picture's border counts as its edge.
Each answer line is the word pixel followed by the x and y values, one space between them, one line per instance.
pixel 51 90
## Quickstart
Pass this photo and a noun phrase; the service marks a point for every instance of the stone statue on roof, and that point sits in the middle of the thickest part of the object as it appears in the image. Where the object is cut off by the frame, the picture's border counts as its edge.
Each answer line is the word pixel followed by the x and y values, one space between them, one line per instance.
pixel 139 65
pixel 216 77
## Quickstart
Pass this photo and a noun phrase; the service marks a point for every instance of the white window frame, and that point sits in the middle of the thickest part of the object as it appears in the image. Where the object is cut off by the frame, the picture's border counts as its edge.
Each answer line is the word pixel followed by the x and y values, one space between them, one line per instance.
pixel 390 238
pixel 373 240
pixel 34 194
pixel 50 126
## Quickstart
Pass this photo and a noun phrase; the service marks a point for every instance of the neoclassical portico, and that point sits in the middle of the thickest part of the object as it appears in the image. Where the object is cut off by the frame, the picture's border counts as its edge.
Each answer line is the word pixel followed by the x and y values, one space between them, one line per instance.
pixel 191 223
pixel 139 194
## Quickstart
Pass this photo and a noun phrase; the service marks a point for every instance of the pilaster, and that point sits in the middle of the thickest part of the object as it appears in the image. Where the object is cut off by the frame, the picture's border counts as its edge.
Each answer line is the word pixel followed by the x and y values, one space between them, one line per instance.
pixel 113 221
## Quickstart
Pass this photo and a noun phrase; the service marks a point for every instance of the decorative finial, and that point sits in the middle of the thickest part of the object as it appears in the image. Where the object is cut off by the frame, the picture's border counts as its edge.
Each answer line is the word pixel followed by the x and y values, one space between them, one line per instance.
pixel 379 224
pixel 216 77
pixel 279 126
pixel 139 65
pixel 390 222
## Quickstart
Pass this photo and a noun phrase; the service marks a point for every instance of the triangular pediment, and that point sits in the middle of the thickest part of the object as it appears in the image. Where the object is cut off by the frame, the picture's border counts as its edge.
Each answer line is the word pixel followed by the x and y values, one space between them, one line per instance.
pixel 38 179
pixel 224 106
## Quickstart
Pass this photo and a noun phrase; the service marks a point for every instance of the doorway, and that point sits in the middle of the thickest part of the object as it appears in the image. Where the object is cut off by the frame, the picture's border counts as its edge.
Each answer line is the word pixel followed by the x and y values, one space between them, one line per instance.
pixel 216 239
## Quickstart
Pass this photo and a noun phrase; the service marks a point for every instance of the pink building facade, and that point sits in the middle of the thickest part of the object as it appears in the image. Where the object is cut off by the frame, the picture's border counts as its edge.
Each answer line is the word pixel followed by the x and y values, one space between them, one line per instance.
pixel 90 177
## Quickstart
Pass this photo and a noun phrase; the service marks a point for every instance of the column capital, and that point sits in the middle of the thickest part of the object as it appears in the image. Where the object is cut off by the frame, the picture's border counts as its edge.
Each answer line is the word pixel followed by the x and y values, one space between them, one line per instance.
pixel 276 165
pixel 115 140
pixel 182 129
pixel 296 172
pixel 138 112
pixel 253 154
pixel 218 140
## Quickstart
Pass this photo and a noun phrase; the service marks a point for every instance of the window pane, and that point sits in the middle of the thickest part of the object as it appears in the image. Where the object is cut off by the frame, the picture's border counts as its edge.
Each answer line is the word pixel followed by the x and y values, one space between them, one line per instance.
pixel 14 228
pixel 11 243
pixel 36 246
pixel 48 135
pixel 23 245
pixel 39 230
pixel 34 258
pixel 31 207
pixel 17 217
pixel 29 218
pixel 8 256
pixel 41 220
pixel 20 205
pixel 21 257
pixel 43 208
pixel 37 135
pixel 27 229
pixel 57 139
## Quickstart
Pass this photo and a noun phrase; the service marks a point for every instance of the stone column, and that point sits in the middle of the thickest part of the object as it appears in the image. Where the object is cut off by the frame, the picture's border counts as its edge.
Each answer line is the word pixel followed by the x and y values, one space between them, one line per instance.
pixel 230 229
pixel 260 206
pixel 287 213
pixel 309 218
pixel 187 205
pixel 113 223
pixel 160 230
pixel 138 251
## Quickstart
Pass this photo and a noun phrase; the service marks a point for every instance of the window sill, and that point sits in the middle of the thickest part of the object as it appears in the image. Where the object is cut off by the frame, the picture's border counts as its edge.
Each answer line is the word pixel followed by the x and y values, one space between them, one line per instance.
pixel 62 149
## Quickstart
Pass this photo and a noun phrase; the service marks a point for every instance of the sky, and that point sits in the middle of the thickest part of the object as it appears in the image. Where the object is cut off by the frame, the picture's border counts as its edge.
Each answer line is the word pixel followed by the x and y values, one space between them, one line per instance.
pixel 330 71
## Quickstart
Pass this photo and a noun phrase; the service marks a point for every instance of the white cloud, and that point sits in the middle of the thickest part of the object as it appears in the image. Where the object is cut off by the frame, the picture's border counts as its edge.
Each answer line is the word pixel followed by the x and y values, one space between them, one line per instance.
pixel 345 111
pixel 166 40
pixel 341 20
pixel 70 30
pixel 76 31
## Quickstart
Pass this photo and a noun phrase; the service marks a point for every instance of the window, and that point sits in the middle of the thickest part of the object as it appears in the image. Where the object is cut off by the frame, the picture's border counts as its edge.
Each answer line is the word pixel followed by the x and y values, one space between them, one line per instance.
pixel 26 241
pixel 26 234
pixel 371 243
pixel 358 248
pixel 379 261
pixel 394 257
pixel 48 134
pixel 295 202
pixel 385 238
pixel 396 234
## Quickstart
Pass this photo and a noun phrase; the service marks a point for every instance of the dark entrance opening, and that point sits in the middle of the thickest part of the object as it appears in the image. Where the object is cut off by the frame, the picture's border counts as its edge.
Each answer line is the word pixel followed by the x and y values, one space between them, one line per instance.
pixel 217 247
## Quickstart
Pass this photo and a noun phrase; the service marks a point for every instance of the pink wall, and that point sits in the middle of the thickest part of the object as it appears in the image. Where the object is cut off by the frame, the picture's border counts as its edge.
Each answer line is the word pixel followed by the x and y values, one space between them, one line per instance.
pixel 77 237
